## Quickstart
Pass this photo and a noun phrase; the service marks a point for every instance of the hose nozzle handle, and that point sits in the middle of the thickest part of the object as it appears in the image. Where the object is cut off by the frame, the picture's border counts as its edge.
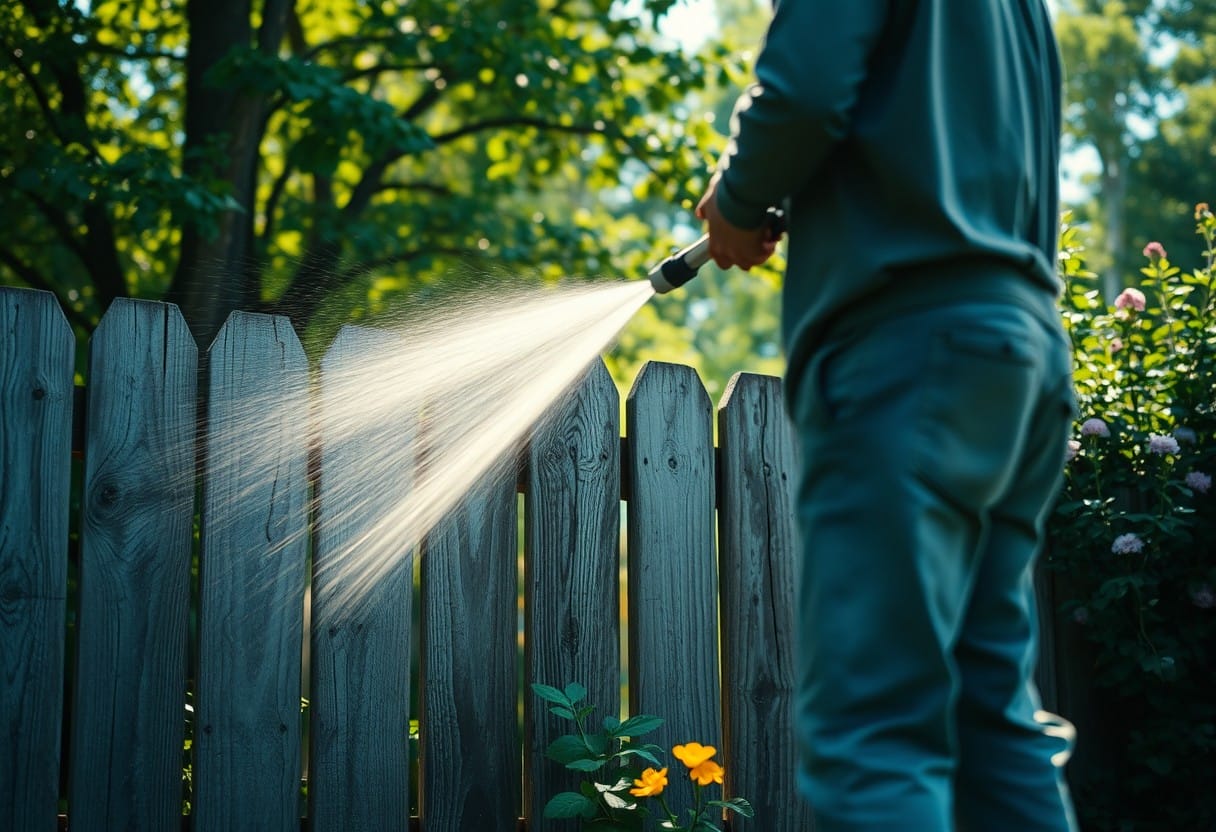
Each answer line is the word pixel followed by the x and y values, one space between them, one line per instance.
pixel 683 266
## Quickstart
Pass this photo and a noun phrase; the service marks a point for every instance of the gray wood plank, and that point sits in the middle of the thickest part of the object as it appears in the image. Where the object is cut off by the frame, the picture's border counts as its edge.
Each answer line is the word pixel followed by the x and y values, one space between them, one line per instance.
pixel 469 734
pixel 251 579
pixel 362 583
pixel 136 540
pixel 37 352
pixel 758 547
pixel 571 574
pixel 673 616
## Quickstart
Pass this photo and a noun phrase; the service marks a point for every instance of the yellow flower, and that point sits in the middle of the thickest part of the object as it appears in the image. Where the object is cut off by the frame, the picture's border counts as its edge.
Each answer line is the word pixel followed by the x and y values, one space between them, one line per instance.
pixel 651 784
pixel 1202 210
pixel 706 773
pixel 693 754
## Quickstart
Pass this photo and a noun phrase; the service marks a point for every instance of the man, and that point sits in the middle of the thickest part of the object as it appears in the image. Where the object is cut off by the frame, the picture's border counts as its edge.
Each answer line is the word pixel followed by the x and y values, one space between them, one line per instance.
pixel 916 145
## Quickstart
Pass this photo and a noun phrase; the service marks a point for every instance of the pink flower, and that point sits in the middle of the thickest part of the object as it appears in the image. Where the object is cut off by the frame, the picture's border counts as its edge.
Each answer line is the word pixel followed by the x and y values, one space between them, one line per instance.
pixel 1074 448
pixel 1198 482
pixel 1154 251
pixel 1094 427
pixel 1116 344
pixel 1131 299
pixel 1162 445
pixel 1127 544
pixel 1203 597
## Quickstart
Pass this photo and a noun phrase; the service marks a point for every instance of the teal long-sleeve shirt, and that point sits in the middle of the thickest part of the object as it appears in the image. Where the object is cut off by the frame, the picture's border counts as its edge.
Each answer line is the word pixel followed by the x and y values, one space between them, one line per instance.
pixel 901 134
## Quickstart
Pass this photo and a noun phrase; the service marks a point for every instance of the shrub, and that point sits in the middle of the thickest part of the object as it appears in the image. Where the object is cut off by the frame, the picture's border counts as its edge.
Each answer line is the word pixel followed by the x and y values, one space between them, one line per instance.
pixel 1133 538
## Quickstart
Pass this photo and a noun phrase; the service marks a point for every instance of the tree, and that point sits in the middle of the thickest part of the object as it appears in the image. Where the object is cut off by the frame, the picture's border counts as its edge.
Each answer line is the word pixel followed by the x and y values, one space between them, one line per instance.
pixel 1139 94
pixel 320 158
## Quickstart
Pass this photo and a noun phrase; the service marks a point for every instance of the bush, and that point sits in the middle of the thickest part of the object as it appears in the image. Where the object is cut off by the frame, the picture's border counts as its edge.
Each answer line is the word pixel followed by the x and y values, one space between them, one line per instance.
pixel 1133 538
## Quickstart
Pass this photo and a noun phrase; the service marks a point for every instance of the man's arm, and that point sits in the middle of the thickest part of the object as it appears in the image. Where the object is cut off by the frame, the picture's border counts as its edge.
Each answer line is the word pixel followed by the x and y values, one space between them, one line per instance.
pixel 809 74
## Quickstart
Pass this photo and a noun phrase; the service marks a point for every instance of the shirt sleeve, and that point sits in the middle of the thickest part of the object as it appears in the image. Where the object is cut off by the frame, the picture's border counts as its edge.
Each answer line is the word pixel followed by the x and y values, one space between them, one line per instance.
pixel 808 78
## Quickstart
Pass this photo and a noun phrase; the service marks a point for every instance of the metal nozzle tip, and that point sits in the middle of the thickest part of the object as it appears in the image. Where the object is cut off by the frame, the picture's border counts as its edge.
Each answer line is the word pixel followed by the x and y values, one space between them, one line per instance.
pixel 659 281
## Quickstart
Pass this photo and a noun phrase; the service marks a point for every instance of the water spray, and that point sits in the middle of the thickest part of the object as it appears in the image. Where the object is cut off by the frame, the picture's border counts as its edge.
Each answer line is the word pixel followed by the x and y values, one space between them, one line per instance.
pixel 683 266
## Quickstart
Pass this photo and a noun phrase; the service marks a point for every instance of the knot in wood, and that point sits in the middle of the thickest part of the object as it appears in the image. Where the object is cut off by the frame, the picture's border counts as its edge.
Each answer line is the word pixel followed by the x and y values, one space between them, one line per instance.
pixel 39 394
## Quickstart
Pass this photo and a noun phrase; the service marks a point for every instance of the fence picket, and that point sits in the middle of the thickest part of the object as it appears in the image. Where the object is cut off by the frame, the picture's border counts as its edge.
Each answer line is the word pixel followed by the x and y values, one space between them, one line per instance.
pixel 359 754
pixel 469 737
pixel 252 577
pixel 673 646
pixel 136 540
pixel 572 530
pixel 37 352
pixel 757 549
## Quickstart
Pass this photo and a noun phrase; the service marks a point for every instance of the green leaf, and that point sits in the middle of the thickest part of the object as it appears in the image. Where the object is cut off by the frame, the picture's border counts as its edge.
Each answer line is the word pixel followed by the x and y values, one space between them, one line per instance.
pixel 640 753
pixel 611 724
pixel 550 694
pixel 638 725
pixel 563 712
pixel 735 804
pixel 585 765
pixel 568 805
pixel 566 749
pixel 575 693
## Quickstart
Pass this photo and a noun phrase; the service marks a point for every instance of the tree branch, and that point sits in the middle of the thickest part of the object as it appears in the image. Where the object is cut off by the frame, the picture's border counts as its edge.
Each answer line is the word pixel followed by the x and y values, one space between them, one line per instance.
pixel 30 276
pixel 517 121
pixel 356 74
pixel 59 222
pixel 349 40
pixel 44 101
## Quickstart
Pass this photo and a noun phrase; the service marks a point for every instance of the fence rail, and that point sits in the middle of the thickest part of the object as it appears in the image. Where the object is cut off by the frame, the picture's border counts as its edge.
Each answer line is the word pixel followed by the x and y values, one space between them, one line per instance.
pixel 708 550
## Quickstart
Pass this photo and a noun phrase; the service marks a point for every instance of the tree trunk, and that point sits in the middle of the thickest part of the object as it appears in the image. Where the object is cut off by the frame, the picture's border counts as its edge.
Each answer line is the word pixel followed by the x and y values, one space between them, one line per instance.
pixel 213 275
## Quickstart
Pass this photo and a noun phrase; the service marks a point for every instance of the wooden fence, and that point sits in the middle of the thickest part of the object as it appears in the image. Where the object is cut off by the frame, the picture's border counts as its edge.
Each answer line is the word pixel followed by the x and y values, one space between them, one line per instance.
pixel 709 564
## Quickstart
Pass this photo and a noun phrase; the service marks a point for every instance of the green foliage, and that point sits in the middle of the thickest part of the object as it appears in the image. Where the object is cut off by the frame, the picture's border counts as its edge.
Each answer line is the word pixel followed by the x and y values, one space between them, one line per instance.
pixel 613 799
pixel 1134 534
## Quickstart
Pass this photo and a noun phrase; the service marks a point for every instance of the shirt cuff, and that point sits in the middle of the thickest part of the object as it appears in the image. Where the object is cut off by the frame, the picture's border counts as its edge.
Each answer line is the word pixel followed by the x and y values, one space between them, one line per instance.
pixel 738 213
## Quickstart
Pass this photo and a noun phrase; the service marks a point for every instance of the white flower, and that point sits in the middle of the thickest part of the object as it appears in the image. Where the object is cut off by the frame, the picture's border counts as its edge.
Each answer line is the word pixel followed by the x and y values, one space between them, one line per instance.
pixel 1161 445
pixel 1074 447
pixel 1198 482
pixel 1127 544
pixel 1094 427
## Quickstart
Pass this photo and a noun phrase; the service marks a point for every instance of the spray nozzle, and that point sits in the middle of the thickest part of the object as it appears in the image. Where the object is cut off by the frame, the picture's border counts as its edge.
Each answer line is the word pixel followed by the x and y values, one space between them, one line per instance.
pixel 683 266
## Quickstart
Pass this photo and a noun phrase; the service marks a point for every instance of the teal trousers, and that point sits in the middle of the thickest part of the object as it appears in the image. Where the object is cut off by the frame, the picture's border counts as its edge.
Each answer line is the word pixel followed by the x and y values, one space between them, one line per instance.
pixel 933 434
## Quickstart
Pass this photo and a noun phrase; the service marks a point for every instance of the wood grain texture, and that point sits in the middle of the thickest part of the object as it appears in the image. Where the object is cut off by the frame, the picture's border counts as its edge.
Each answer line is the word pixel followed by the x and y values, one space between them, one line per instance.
pixel 359 754
pixel 469 734
pixel 571 567
pixel 252 578
pixel 37 351
pixel 136 539
pixel 758 547
pixel 673 616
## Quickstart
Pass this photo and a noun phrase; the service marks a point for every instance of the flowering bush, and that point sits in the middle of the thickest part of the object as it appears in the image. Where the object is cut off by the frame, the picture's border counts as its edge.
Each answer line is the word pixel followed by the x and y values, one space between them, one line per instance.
pixel 614 799
pixel 1134 536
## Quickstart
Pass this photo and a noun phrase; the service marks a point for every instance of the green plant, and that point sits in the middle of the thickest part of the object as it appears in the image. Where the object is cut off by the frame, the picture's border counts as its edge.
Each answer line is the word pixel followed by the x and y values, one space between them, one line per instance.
pixel 1134 536
pixel 615 798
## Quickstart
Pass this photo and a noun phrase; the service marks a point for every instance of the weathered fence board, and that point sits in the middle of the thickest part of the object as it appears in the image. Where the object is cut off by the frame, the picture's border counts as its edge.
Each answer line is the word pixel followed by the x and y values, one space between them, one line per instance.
pixel 136 539
pixel 36 367
pixel 572 597
pixel 673 616
pixel 359 755
pixel 469 739
pixel 252 577
pixel 757 546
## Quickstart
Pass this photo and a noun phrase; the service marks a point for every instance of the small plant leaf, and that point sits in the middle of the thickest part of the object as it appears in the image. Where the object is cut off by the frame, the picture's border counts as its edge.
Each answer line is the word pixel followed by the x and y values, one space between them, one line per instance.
pixel 585 765
pixel 575 693
pixel 635 726
pixel 561 711
pixel 617 802
pixel 566 749
pixel 567 805
pixel 597 743
pixel 641 753
pixel 611 724
pixel 619 785
pixel 550 694
pixel 735 804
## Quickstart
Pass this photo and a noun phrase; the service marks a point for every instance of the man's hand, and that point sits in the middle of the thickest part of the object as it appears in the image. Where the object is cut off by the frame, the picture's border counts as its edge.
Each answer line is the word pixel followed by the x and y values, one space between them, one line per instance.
pixel 730 245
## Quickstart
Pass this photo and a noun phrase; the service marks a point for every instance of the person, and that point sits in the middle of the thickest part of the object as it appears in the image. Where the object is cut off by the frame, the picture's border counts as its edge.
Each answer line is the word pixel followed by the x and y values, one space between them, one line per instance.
pixel 915 146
